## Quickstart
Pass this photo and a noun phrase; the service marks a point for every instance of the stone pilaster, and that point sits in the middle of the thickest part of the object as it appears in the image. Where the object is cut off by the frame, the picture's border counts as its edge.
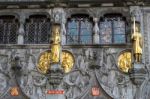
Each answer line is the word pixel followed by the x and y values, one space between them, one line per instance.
pixel 21 31
pixel 63 28
pixel 146 41
pixel 96 31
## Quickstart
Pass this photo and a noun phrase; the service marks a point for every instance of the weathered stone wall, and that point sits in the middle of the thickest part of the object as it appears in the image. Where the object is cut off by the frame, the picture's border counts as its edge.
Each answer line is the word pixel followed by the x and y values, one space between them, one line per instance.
pixel 95 65
pixel 78 82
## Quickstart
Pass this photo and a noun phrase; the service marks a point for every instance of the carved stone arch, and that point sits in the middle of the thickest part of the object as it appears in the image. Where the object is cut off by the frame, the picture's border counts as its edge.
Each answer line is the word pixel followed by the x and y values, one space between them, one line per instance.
pixel 77 11
pixel 38 13
pixel 15 15
pixel 123 11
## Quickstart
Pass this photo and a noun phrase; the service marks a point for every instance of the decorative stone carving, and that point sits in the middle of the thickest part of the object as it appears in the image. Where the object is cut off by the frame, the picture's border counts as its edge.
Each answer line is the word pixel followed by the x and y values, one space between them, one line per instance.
pixel 112 81
pixel 4 77
pixel 136 11
pixel 78 83
pixel 58 15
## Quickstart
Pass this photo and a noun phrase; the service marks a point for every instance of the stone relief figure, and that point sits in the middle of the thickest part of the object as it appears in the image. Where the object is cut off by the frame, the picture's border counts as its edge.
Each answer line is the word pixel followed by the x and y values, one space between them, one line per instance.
pixel 137 43
pixel 77 81
pixel 77 84
pixel 4 76
pixel 57 14
pixel 111 80
pixel 30 81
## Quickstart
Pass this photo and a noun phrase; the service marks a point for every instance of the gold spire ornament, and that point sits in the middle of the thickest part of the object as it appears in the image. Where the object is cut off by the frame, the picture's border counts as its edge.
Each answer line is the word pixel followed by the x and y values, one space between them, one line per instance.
pixel 137 42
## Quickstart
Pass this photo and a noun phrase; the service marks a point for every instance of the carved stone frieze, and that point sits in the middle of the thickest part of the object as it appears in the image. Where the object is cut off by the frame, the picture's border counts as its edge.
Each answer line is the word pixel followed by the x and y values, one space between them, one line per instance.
pixel 93 67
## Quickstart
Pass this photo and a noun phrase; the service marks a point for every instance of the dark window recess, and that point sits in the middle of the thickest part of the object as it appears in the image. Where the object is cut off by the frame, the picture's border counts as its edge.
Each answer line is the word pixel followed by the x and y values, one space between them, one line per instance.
pixel 8 30
pixel 79 30
pixel 37 30
pixel 113 30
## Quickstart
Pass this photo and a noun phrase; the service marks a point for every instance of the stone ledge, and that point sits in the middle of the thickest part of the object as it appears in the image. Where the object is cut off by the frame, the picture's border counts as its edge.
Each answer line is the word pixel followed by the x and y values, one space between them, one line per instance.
pixel 46 46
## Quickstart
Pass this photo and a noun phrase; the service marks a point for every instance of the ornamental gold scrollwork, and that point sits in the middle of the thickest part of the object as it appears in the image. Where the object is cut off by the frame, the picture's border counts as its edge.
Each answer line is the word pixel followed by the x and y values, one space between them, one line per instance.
pixel 124 61
pixel 44 62
pixel 67 61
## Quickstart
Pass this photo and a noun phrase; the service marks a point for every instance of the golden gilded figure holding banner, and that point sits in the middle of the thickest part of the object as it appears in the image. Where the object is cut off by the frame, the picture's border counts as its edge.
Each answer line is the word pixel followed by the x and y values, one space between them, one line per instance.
pixel 137 42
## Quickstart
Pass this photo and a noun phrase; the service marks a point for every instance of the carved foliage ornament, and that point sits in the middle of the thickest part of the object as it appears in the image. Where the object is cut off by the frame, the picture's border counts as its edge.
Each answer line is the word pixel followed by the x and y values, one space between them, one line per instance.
pixel 44 61
pixel 67 61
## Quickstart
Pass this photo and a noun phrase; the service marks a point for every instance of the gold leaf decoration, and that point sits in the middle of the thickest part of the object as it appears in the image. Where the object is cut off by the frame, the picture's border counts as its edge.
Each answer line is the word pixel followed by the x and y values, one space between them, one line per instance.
pixel 124 61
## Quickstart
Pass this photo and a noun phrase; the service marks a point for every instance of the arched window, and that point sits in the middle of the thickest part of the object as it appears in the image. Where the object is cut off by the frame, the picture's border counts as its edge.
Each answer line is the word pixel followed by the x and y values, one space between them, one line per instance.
pixel 8 29
pixel 79 30
pixel 37 30
pixel 112 29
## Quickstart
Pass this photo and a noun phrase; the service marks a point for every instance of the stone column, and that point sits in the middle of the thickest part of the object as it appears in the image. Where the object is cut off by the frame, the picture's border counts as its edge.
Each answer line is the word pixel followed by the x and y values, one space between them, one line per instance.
pixel 96 31
pixel 21 31
pixel 63 28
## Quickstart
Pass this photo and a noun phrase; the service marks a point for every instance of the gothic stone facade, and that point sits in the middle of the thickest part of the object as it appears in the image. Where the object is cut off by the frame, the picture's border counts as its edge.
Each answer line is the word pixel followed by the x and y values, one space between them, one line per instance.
pixel 78 83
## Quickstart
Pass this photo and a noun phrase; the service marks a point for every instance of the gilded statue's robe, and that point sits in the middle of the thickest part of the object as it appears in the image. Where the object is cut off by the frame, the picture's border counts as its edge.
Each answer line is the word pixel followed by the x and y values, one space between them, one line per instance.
pixel 55 49
pixel 137 43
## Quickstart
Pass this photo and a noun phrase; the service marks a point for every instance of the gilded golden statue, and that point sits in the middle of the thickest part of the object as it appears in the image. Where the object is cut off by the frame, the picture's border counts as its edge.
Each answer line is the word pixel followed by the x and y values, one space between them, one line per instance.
pixel 55 54
pixel 137 43
pixel 55 46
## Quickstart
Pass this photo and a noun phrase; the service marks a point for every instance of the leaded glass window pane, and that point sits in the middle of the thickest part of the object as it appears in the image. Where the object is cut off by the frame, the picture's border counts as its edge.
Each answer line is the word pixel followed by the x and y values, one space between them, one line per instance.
pixel 112 30
pixel 79 30
pixel 8 30
pixel 37 30
pixel 106 32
